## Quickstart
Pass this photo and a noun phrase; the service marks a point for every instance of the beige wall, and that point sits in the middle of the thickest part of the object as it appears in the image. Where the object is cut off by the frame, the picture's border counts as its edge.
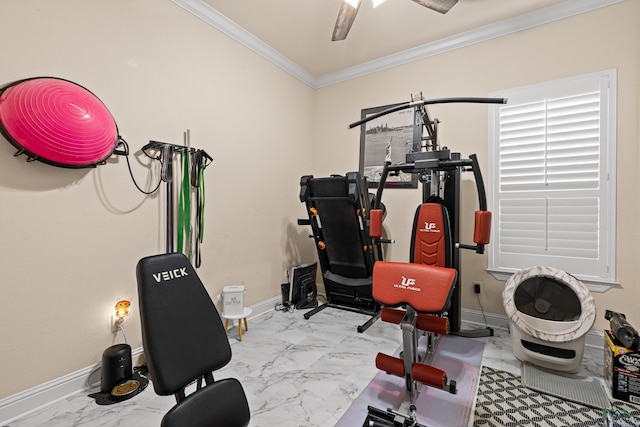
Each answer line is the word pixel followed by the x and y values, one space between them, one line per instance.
pixel 599 40
pixel 70 239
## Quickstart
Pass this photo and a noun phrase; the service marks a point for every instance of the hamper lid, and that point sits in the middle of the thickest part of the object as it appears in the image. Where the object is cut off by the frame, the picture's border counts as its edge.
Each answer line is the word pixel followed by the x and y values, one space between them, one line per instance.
pixel 551 295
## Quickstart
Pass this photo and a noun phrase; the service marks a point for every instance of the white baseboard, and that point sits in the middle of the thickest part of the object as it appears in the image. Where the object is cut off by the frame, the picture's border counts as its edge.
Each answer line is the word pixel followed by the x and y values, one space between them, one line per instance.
pixel 35 398
pixel 50 392
pixel 500 321
pixel 264 307
pixel 45 394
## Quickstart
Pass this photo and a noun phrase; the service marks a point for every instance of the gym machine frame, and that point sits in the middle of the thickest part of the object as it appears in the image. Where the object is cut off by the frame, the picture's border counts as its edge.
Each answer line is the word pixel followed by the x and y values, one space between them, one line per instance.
pixel 439 170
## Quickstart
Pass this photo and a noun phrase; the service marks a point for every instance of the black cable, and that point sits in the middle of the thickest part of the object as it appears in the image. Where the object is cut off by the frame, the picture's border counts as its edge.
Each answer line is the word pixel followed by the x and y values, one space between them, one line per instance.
pixel 126 156
pixel 482 310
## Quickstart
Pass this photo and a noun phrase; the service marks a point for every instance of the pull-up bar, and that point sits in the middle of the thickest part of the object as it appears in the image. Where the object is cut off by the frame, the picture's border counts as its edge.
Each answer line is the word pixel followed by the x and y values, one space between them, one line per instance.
pixel 423 102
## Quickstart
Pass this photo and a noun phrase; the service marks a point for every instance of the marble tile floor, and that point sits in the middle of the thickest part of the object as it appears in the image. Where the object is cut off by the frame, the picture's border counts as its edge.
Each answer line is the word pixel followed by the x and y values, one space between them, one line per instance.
pixel 295 372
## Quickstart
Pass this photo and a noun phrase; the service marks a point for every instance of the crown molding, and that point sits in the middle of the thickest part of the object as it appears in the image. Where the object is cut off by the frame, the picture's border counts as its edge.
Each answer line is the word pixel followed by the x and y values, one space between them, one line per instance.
pixel 561 10
pixel 225 25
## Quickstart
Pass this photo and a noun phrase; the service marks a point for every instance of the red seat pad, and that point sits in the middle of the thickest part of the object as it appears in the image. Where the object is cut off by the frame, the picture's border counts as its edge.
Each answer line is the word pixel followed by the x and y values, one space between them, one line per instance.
pixel 426 288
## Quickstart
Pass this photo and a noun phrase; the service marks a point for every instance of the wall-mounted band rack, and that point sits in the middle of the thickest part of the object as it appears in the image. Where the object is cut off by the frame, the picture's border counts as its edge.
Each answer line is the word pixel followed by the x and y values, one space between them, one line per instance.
pixel 199 160
pixel 157 145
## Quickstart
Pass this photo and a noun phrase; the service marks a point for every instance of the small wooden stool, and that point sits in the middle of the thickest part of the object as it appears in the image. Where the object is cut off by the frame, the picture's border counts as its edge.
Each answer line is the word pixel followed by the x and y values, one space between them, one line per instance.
pixel 245 313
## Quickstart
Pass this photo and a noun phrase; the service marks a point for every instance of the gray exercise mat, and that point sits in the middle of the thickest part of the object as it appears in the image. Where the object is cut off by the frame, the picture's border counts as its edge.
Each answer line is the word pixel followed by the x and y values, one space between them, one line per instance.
pixel 459 357
pixel 583 390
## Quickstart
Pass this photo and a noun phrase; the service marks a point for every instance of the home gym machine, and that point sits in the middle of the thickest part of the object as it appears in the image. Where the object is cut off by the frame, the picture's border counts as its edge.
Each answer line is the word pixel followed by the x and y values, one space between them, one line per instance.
pixel 439 171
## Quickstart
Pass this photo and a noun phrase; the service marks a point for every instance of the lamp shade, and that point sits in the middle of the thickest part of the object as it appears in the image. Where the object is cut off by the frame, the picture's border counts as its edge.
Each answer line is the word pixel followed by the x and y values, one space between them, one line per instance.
pixel 57 122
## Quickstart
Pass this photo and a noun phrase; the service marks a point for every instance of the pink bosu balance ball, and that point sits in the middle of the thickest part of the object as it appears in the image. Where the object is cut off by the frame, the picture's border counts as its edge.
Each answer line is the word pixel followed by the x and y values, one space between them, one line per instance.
pixel 57 122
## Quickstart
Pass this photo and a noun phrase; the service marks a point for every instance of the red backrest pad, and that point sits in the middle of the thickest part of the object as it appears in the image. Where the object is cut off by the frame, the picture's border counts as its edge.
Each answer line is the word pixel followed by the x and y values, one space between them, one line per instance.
pixel 426 288
pixel 429 246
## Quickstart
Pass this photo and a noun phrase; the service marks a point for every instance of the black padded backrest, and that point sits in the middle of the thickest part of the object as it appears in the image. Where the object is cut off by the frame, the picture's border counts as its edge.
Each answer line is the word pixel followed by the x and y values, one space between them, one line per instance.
pixel 340 227
pixel 340 202
pixel 182 334
pixel 333 186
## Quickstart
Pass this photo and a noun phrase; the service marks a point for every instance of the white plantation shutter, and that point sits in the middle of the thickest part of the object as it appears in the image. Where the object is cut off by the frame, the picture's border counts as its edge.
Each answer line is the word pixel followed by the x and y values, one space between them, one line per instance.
pixel 552 177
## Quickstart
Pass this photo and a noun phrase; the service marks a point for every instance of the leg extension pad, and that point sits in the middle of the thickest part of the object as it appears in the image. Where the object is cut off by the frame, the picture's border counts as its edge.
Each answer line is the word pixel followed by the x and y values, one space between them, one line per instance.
pixel 426 322
pixel 429 375
pixel 425 374
pixel 390 364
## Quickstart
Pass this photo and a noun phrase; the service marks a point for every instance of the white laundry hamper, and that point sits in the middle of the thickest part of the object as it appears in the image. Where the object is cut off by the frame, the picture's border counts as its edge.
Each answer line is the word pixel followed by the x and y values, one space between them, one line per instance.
pixel 233 300
pixel 550 313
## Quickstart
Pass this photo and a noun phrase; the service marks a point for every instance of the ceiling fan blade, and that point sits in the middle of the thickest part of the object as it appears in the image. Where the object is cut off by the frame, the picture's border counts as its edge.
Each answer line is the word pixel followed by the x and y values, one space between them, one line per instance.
pixel 346 16
pixel 441 6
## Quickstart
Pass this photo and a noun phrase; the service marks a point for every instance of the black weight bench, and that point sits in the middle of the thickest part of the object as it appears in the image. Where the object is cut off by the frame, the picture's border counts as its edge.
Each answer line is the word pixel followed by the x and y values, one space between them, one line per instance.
pixel 185 342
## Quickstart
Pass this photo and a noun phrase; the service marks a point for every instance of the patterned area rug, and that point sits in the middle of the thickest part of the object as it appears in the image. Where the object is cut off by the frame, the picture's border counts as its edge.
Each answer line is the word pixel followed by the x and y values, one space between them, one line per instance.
pixel 504 402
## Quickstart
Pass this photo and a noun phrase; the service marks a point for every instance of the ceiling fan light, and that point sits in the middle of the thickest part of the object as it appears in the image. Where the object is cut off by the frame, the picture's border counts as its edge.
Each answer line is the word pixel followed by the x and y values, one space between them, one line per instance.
pixel 353 3
pixel 346 16
pixel 377 3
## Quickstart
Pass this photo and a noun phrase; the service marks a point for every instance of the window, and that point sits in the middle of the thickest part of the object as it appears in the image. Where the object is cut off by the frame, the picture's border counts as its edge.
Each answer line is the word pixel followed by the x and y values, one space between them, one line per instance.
pixel 552 178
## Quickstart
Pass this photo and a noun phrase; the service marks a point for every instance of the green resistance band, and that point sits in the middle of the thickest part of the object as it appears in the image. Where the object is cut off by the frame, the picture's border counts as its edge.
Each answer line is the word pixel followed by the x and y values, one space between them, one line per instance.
pixel 201 205
pixel 184 207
